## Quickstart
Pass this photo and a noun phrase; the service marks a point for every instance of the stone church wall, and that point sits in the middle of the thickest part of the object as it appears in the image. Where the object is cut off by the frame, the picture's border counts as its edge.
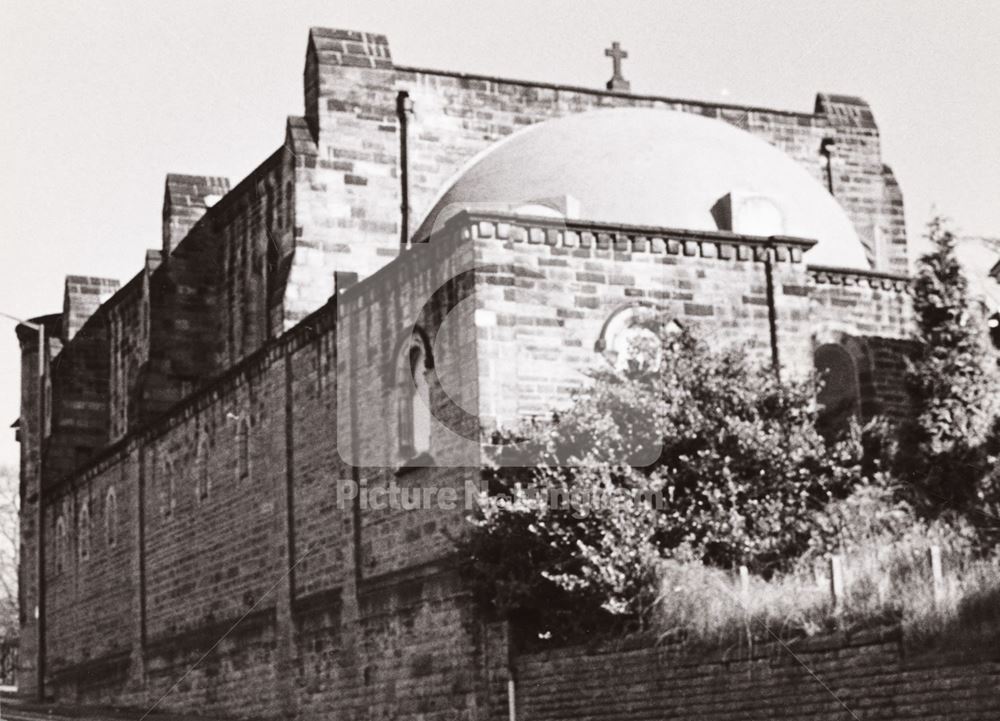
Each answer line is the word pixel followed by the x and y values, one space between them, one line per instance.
pixel 89 600
pixel 871 315
pixel 362 109
pixel 235 393
pixel 206 538
pixel 548 289
pixel 228 526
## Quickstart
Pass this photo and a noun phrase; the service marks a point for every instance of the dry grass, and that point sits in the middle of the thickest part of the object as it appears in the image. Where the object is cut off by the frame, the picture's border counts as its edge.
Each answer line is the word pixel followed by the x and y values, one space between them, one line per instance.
pixel 888 582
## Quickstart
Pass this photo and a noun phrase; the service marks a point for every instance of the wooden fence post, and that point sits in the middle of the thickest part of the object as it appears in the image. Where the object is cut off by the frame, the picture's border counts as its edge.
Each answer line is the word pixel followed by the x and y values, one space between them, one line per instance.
pixel 937 577
pixel 837 582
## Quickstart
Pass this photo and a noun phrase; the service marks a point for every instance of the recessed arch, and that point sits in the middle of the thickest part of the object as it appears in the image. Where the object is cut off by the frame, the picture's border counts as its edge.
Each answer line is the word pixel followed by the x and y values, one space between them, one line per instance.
pixel 83 531
pixel 111 517
pixel 414 361
pixel 838 392
pixel 202 480
pixel 243 448
pixel 61 543
pixel 631 337
pixel 862 354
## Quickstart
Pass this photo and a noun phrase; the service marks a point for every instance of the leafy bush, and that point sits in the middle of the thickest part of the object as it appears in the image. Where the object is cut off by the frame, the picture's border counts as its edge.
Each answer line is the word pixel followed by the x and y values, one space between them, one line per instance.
pixel 741 471
pixel 744 478
pixel 944 453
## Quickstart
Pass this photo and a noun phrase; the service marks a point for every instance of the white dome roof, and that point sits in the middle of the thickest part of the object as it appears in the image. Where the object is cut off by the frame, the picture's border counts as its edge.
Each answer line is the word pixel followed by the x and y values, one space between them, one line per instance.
pixel 652 167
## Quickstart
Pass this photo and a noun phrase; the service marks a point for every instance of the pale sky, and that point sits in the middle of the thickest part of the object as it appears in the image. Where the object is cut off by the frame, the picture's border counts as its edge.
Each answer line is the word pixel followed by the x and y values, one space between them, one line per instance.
pixel 102 99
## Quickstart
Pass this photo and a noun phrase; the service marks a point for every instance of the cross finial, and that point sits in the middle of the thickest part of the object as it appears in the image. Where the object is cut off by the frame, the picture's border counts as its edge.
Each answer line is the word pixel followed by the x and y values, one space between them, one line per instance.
pixel 617 83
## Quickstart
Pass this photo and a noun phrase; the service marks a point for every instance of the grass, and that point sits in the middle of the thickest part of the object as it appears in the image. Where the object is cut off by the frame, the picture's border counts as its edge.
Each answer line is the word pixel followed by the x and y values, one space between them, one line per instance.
pixel 887 582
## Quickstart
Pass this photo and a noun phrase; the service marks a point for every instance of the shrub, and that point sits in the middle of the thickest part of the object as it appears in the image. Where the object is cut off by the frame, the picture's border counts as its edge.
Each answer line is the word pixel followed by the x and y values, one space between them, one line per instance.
pixel 741 470
pixel 943 450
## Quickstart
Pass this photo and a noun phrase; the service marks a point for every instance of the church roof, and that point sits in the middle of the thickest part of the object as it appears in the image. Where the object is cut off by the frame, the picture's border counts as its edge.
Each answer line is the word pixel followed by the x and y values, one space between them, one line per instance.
pixel 656 168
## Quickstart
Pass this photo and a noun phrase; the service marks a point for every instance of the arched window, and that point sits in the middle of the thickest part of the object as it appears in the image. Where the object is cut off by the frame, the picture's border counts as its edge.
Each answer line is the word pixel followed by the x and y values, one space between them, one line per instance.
pixel 414 413
pixel 632 339
pixel 243 448
pixel 838 394
pixel 289 208
pixel 161 479
pixel 202 477
pixel 111 517
pixel 83 533
pixel 269 203
pixel 60 543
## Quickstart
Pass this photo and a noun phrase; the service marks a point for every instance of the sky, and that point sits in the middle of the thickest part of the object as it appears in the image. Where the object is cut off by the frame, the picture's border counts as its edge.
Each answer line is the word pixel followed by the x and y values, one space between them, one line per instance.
pixel 102 99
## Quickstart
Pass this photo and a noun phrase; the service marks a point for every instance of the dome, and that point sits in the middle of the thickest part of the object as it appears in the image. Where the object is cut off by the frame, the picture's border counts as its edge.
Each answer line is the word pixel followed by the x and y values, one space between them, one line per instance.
pixel 659 168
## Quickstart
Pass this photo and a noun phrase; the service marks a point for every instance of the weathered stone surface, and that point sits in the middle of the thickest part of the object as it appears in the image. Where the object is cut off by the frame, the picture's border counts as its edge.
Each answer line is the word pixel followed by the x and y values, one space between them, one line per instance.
pixel 211 392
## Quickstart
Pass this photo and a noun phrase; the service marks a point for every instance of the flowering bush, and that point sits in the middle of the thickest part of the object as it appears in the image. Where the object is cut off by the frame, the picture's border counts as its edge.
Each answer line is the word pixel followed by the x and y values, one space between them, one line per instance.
pixel 742 477
pixel 740 473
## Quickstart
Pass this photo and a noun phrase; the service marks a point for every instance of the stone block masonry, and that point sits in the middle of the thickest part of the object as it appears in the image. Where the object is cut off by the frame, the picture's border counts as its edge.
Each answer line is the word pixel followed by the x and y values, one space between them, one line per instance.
pixel 867 677
pixel 184 464
pixel 225 526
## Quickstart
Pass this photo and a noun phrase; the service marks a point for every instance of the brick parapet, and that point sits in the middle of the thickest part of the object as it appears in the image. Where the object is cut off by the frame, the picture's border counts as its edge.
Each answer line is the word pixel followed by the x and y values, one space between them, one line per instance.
pixel 853 277
pixel 624 238
pixel 488 83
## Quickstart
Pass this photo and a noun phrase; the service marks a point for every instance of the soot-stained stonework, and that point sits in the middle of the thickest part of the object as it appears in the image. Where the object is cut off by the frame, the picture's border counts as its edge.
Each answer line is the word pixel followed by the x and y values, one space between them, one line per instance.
pixel 253 361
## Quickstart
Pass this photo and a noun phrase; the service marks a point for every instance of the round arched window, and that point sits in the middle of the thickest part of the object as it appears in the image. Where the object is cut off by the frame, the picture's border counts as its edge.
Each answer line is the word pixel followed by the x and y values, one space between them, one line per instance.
pixel 413 396
pixel 635 349
pixel 632 339
pixel 838 395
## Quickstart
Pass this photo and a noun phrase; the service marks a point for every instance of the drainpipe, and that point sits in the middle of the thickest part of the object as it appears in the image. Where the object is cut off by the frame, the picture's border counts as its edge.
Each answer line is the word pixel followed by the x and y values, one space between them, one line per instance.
pixel 356 516
pixel 404 108
pixel 826 150
pixel 511 673
pixel 772 311
pixel 40 514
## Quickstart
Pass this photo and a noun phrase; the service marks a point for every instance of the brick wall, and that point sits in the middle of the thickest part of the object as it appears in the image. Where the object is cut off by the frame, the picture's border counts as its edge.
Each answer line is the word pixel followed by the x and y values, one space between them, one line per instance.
pixel 240 270
pixel 82 297
pixel 265 563
pixel 32 427
pixel 79 376
pixel 361 109
pixel 229 525
pixel 546 289
pixel 234 394
pixel 353 110
pixel 128 349
pixel 185 200
pixel 867 677
pixel 870 315
pixel 89 607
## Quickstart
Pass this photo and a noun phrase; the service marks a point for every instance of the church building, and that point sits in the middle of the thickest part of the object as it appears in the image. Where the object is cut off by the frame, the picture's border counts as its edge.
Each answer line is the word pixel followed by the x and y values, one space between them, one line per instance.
pixel 426 258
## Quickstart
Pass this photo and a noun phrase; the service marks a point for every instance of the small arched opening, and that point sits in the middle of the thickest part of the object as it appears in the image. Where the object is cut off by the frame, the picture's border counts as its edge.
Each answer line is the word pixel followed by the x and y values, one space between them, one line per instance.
pixel 413 394
pixel 838 392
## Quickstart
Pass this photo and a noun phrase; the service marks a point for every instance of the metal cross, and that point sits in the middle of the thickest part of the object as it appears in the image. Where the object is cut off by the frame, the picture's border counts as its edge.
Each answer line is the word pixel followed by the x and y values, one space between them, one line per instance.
pixel 617 82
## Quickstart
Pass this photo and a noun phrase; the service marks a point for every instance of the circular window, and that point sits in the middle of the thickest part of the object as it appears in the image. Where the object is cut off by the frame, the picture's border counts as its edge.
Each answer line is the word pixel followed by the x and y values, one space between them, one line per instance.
pixel 636 349
pixel 632 339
